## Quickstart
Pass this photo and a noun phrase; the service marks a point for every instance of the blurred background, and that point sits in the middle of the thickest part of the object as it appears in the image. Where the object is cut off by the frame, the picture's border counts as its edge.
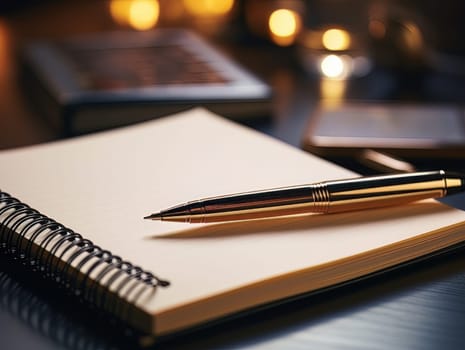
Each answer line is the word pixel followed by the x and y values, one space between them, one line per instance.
pixel 311 52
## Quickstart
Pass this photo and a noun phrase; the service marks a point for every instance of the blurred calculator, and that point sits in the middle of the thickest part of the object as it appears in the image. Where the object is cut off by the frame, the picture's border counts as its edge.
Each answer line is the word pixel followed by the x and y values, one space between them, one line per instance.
pixel 112 79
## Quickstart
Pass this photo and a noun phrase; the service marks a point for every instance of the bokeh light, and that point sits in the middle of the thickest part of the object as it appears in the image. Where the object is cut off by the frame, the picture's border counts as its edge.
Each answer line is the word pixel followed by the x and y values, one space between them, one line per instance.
pixel 332 66
pixel 413 37
pixel 4 47
pixel 284 25
pixel 336 39
pixel 208 7
pixel 139 14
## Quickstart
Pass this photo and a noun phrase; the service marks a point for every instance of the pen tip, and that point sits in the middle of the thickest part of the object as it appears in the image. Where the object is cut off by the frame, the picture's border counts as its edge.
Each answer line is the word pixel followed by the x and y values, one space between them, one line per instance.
pixel 156 216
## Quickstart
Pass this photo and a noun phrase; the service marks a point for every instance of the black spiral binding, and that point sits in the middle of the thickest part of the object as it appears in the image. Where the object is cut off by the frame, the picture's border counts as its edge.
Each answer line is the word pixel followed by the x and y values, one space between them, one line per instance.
pixel 21 230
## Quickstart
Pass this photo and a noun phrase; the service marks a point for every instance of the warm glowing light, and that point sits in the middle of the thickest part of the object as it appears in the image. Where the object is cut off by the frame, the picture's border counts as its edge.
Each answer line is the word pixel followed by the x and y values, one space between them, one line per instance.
pixel 413 37
pixel 119 10
pixel 336 39
pixel 332 91
pixel 283 22
pixel 208 7
pixel 144 14
pixel 4 50
pixel 139 14
pixel 333 66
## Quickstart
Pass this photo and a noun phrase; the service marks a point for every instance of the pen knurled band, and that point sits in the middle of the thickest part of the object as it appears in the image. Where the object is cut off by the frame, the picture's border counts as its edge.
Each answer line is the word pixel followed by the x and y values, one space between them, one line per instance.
pixel 320 195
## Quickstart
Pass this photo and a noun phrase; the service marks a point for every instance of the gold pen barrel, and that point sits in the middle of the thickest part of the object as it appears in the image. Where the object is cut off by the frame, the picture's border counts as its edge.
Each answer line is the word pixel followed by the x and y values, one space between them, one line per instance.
pixel 328 197
pixel 324 197
pixel 376 191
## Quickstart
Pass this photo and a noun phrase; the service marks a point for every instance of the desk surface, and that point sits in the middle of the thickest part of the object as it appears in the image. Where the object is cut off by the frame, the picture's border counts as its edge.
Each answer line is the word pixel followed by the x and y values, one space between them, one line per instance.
pixel 419 306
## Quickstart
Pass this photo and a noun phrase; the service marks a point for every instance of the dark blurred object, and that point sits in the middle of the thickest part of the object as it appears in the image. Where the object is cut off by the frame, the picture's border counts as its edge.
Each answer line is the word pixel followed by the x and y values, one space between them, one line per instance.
pixel 418 33
pixel 390 137
pixel 7 6
pixel 113 79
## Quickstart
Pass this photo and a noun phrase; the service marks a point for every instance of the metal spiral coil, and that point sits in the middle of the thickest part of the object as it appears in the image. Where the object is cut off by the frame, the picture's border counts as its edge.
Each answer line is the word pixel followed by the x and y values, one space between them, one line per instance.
pixel 67 257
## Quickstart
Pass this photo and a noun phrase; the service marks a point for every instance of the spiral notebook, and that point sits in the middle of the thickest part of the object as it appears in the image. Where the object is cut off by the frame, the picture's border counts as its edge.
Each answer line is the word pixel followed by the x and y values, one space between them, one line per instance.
pixel 73 211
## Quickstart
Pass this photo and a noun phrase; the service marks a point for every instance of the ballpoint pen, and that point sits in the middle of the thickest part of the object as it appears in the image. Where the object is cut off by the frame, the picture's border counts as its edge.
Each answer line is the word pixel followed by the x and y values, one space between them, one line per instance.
pixel 323 197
